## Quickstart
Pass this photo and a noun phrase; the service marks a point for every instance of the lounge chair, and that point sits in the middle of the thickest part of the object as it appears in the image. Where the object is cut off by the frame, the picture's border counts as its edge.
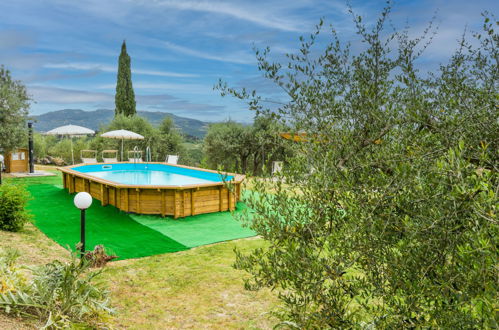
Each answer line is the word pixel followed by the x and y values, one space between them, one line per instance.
pixel 172 159
pixel 110 153
pixel 88 160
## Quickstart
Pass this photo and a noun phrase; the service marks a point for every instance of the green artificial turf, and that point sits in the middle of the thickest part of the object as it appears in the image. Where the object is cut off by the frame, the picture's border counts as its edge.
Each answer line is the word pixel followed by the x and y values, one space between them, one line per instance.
pixel 126 235
pixel 55 180
pixel 199 229
pixel 55 215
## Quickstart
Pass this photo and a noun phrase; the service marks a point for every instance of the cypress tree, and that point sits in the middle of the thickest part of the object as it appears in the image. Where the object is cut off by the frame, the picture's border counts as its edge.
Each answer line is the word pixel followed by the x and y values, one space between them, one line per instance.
pixel 125 97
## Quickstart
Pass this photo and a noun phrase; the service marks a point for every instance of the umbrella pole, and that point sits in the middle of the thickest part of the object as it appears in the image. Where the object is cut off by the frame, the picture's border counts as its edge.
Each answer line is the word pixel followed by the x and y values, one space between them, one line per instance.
pixel 121 149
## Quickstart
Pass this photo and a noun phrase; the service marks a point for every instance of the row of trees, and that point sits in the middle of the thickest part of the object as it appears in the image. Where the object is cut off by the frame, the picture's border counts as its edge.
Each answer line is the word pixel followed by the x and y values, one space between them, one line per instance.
pixel 396 226
pixel 230 146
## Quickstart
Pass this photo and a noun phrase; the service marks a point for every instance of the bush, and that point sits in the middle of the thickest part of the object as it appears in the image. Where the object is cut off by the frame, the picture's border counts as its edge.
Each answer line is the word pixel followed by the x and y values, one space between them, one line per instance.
pixel 13 199
pixel 62 149
pixel 396 225
pixel 59 294
pixel 42 144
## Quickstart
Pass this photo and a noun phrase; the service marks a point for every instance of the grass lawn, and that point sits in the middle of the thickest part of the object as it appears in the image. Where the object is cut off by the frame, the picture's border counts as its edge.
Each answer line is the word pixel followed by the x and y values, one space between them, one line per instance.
pixel 197 288
pixel 190 289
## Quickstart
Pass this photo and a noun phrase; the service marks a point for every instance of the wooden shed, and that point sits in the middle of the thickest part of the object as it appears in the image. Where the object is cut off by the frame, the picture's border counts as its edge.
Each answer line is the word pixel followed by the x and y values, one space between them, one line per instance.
pixel 17 161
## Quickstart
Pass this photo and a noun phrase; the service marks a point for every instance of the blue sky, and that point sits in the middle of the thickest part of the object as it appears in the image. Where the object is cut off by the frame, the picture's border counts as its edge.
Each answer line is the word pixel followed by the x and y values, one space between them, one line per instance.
pixel 66 51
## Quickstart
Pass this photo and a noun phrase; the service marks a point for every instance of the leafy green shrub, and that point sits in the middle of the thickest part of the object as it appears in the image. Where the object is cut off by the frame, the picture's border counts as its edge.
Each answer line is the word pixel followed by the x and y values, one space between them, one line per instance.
pixel 59 294
pixel 411 161
pixel 13 199
pixel 62 149
pixel 42 145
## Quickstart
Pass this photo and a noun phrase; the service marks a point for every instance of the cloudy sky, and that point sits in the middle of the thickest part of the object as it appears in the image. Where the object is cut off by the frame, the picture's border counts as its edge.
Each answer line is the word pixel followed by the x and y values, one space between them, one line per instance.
pixel 66 51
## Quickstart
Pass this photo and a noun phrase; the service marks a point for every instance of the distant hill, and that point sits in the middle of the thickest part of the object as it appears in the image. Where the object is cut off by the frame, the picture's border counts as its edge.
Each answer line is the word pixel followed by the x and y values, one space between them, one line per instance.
pixel 95 119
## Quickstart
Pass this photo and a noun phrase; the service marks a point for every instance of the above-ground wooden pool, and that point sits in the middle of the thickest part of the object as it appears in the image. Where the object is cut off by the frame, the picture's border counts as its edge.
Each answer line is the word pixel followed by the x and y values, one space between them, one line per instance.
pixel 155 188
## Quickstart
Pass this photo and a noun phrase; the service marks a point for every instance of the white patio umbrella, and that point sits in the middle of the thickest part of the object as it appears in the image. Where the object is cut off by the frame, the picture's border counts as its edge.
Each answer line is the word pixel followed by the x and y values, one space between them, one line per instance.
pixel 70 131
pixel 122 134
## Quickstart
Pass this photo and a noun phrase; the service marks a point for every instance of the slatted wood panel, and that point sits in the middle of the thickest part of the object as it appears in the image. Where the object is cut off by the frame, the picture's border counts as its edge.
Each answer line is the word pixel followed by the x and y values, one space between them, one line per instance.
pixel 19 165
pixel 177 202
pixel 104 195
pixel 112 195
pixel 79 184
pixel 132 200
pixel 65 180
pixel 150 201
pixel 95 190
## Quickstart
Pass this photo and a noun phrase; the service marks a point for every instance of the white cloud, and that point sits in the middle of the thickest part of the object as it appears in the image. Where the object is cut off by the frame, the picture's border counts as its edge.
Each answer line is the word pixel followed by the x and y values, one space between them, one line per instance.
pixel 250 14
pixel 113 69
pixel 67 96
pixel 153 86
pixel 239 57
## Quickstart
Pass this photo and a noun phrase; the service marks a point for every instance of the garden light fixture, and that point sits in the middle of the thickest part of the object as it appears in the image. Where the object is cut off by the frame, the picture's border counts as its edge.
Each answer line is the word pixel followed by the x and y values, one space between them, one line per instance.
pixel 82 200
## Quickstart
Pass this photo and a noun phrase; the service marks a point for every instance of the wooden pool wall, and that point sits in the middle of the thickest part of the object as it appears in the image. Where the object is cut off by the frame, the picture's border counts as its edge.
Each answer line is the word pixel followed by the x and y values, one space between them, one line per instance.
pixel 164 200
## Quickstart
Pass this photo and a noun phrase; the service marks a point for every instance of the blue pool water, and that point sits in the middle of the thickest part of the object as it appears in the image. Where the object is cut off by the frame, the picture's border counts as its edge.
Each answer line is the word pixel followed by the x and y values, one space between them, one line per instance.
pixel 150 174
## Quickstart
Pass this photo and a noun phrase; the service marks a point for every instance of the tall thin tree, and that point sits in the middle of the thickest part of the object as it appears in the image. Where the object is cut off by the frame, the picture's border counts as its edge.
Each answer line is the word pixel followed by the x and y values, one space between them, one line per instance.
pixel 125 96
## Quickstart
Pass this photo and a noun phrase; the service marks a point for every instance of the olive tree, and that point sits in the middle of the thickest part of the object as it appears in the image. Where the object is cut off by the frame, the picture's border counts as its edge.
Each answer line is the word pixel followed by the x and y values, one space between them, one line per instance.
pixel 245 148
pixel 228 145
pixel 14 106
pixel 170 141
pixel 388 216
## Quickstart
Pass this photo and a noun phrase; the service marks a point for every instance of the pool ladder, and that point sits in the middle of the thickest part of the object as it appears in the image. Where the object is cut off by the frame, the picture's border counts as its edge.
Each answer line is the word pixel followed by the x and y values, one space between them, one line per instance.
pixel 148 155
pixel 136 154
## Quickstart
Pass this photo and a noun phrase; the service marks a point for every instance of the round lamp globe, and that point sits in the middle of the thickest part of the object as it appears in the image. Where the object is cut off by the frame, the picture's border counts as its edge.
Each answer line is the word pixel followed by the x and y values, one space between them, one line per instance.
pixel 83 200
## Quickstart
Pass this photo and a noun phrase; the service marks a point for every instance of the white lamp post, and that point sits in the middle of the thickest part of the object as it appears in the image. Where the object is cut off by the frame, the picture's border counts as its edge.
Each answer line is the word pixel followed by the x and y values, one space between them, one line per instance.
pixel 82 200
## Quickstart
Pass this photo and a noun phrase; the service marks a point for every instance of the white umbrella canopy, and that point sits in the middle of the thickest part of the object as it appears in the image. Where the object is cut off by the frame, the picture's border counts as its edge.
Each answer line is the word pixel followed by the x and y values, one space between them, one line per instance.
pixel 71 130
pixel 122 134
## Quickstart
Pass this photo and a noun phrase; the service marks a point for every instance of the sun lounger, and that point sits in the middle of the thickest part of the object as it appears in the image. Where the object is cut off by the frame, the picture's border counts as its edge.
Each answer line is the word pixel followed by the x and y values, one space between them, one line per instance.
pixel 110 153
pixel 90 159
pixel 172 159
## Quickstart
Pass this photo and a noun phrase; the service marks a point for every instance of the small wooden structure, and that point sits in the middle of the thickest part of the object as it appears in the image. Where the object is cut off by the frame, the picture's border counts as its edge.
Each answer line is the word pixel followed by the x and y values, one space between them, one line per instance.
pixel 17 161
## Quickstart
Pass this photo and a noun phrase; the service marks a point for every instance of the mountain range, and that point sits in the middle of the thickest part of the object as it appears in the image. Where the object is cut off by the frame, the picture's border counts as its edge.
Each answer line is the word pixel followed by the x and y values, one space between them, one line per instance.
pixel 95 119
